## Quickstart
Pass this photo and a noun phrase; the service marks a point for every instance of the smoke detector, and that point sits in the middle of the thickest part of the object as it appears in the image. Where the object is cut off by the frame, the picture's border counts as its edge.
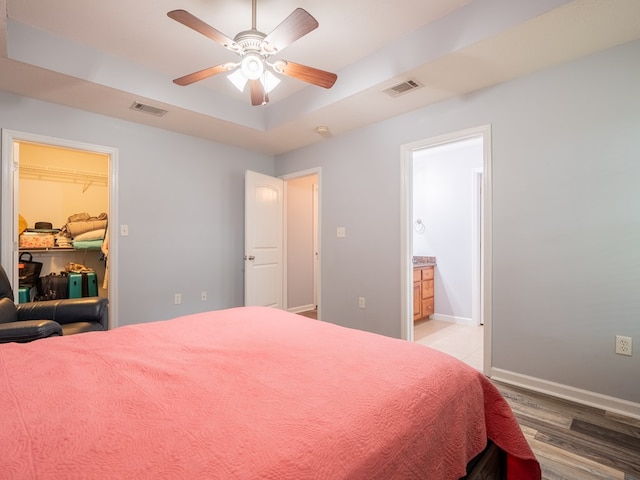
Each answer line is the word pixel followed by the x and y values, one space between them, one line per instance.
pixel 323 131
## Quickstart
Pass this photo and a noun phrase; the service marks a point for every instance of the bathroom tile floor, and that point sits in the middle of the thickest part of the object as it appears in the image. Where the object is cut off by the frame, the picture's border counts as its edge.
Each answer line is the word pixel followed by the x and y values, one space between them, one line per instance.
pixel 460 341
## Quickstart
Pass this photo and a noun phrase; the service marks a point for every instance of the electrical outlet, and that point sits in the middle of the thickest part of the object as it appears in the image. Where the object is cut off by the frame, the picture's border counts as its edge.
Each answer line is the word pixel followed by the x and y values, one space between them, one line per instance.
pixel 623 345
pixel 361 302
pixel 177 299
pixel 203 296
pixel 341 232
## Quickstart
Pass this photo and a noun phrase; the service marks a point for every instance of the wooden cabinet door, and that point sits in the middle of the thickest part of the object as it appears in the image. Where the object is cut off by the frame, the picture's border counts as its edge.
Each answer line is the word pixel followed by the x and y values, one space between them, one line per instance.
pixel 417 275
pixel 417 301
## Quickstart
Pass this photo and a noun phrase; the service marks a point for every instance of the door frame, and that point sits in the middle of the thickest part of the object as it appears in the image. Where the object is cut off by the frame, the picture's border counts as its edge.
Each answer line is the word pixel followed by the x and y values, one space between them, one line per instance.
pixel 317 171
pixel 9 205
pixel 476 248
pixel 406 238
pixel 316 244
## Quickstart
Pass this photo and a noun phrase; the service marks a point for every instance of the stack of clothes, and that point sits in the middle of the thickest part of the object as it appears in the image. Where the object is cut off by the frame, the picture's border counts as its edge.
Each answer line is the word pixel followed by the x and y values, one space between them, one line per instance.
pixel 83 231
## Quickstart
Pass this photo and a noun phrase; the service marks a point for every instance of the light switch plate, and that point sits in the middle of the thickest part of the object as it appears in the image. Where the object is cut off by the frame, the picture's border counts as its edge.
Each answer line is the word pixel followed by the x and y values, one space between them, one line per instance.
pixel 341 232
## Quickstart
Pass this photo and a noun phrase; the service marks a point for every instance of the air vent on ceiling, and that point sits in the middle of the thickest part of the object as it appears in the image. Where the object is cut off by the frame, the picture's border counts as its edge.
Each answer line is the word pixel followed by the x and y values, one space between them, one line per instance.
pixel 141 107
pixel 402 88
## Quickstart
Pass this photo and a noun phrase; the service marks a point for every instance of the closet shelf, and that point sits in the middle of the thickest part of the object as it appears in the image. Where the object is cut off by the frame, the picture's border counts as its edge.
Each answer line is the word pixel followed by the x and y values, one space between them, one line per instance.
pixel 57 249
pixel 64 174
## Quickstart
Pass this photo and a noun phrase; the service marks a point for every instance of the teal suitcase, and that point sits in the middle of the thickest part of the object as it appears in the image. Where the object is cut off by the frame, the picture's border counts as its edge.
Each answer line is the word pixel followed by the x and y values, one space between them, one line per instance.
pixel 24 294
pixel 83 285
pixel 90 284
pixel 75 285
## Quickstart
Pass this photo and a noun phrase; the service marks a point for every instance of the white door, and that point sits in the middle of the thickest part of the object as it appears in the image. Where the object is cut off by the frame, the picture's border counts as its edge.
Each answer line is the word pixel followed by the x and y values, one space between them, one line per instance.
pixel 263 240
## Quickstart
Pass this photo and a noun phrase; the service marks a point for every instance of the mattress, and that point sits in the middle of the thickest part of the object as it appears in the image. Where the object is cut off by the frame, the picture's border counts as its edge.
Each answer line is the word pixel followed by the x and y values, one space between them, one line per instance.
pixel 246 393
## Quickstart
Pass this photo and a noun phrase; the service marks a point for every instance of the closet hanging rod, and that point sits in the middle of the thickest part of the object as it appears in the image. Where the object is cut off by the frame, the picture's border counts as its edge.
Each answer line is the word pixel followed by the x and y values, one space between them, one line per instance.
pixel 63 173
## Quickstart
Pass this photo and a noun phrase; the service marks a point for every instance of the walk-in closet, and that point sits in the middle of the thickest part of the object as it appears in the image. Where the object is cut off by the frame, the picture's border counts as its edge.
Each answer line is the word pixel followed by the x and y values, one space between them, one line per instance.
pixel 63 207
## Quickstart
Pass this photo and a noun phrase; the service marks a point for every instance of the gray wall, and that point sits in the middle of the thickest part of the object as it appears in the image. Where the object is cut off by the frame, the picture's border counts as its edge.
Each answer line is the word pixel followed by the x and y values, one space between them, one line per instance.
pixel 182 197
pixel 566 221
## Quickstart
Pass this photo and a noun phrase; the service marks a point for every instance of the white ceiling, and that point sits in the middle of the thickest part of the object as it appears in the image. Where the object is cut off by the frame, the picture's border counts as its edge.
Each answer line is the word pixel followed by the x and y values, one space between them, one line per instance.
pixel 100 56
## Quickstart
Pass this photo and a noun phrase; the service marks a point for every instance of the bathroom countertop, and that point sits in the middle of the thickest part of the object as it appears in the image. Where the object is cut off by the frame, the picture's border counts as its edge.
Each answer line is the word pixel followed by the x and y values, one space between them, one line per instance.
pixel 424 264
pixel 421 262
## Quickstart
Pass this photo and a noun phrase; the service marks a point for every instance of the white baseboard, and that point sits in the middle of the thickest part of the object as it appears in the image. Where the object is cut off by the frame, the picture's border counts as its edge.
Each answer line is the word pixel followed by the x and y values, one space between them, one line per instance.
pixel 302 308
pixel 453 319
pixel 577 395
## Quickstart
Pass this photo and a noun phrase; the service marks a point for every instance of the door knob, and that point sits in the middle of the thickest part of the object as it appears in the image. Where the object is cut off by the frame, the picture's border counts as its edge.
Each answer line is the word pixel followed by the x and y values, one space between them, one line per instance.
pixel 250 257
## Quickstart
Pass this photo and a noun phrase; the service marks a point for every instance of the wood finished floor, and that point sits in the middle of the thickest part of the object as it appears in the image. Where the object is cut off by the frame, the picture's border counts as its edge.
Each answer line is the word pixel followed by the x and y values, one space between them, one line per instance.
pixel 310 314
pixel 571 441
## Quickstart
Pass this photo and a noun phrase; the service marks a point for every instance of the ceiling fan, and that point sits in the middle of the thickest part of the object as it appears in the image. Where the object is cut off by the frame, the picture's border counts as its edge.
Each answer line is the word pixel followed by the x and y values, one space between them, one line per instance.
pixel 255 50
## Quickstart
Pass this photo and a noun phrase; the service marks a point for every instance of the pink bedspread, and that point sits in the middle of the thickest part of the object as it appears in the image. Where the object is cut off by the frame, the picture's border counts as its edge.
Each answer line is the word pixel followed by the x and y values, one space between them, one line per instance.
pixel 245 393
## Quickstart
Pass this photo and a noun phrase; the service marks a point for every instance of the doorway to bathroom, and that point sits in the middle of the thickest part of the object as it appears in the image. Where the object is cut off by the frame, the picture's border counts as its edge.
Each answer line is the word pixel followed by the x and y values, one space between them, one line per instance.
pixel 446 213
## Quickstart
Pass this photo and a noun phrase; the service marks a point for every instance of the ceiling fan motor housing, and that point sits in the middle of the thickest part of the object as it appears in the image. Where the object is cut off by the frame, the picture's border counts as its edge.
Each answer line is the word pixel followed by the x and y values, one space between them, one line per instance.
pixel 251 41
pixel 253 54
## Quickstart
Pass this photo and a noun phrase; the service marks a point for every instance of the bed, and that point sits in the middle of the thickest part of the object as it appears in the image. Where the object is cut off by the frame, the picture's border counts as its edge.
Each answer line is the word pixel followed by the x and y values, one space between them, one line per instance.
pixel 250 393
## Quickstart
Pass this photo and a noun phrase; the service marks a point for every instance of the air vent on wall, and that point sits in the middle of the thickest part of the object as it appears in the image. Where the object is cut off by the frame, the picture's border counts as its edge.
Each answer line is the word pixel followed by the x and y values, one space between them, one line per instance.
pixel 141 107
pixel 402 88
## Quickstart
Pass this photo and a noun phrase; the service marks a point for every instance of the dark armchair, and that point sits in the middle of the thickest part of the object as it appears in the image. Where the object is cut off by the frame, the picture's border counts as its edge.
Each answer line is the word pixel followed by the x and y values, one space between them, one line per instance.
pixel 35 320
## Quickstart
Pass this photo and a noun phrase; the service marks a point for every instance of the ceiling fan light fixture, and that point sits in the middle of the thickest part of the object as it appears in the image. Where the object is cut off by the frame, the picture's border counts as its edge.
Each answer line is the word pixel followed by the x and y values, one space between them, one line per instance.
pixel 238 79
pixel 269 80
pixel 252 66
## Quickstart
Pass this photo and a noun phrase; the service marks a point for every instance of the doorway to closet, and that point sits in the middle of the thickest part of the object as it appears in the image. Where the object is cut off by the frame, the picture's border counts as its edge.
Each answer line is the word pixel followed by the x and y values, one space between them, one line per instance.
pixel 57 203
pixel 302 251
pixel 446 204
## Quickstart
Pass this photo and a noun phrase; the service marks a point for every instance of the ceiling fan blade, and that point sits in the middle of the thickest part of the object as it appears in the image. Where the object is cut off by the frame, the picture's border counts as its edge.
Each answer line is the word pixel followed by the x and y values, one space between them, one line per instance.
pixel 258 95
pixel 199 26
pixel 295 26
pixel 202 74
pixel 307 74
